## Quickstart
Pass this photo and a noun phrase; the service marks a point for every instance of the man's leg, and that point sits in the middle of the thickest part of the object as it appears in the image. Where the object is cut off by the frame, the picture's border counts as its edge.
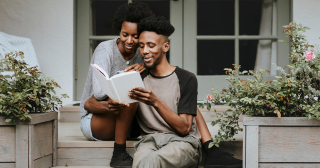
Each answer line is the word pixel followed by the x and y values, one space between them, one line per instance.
pixel 214 157
pixel 144 149
pixel 176 154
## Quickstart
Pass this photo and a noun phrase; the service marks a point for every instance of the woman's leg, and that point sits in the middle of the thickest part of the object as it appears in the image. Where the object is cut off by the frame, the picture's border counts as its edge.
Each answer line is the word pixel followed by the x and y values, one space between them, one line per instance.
pixel 202 126
pixel 108 125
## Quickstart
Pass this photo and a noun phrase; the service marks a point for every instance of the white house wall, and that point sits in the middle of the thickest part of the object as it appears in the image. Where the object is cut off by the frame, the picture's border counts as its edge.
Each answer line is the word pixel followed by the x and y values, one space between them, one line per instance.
pixel 307 13
pixel 49 24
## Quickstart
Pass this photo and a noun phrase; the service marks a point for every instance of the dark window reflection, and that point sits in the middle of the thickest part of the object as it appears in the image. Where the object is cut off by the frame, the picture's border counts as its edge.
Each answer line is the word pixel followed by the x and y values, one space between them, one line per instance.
pixel 247 54
pixel 214 55
pixel 215 17
pixel 102 16
pixel 160 7
pixel 250 17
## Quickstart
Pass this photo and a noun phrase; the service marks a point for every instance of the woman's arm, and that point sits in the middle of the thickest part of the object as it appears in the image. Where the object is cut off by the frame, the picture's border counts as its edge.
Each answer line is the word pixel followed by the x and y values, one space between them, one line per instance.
pixel 94 106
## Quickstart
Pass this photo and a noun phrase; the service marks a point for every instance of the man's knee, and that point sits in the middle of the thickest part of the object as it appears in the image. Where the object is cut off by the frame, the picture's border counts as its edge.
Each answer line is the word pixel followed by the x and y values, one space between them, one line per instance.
pixel 151 160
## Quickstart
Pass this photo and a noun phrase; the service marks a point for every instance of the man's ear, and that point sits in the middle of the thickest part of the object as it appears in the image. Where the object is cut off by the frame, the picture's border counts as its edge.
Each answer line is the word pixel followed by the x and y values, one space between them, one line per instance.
pixel 165 47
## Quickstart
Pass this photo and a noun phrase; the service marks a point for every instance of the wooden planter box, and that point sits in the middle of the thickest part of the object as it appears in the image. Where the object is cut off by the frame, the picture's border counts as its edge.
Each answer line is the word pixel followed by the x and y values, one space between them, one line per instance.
pixel 30 144
pixel 287 142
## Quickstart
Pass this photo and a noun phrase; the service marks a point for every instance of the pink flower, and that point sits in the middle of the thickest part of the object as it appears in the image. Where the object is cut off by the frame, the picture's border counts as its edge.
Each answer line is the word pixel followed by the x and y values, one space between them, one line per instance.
pixel 209 97
pixel 309 55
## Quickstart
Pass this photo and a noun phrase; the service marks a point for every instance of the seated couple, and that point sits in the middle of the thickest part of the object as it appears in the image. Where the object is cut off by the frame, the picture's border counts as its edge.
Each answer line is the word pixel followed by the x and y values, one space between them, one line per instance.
pixel 171 127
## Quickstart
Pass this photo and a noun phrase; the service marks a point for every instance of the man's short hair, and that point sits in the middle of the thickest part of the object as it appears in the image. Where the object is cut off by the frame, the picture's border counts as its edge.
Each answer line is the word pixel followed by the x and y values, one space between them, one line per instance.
pixel 156 24
pixel 132 12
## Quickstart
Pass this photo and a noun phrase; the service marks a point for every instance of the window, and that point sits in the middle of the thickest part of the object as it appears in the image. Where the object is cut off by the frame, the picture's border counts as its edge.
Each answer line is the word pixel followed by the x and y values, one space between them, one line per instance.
pixel 219 33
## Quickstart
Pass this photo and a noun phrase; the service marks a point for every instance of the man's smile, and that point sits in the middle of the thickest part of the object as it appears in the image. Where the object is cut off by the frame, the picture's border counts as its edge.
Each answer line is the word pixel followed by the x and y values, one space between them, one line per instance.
pixel 147 59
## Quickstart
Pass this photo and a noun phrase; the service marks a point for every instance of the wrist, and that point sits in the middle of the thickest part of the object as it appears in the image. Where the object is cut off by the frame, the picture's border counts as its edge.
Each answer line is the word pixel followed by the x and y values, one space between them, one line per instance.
pixel 157 103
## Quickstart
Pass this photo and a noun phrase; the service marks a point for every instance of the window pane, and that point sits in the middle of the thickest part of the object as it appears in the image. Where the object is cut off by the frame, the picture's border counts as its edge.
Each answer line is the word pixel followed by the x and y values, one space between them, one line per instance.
pixel 257 54
pixel 102 16
pixel 214 55
pixel 255 17
pixel 160 7
pixel 215 17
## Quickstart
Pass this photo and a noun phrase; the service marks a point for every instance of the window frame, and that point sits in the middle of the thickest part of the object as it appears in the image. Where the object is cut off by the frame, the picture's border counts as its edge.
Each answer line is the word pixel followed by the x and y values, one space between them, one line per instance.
pixel 207 82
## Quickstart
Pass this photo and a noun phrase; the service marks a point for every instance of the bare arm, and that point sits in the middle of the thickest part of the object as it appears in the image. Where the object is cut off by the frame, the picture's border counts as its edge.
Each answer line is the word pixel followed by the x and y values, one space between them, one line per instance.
pixel 181 123
pixel 103 106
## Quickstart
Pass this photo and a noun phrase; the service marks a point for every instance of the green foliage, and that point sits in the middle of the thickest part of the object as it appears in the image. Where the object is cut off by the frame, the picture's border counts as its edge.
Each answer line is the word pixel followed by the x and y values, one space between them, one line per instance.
pixel 27 90
pixel 294 94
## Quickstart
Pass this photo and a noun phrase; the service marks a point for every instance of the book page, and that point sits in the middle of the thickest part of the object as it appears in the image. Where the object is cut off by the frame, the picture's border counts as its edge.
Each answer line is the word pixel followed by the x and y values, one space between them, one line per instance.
pixel 126 81
pixel 104 84
pixel 97 67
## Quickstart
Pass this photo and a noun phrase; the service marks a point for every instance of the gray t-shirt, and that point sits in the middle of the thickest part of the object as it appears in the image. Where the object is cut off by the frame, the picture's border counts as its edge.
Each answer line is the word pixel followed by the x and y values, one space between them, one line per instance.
pixel 109 58
pixel 179 92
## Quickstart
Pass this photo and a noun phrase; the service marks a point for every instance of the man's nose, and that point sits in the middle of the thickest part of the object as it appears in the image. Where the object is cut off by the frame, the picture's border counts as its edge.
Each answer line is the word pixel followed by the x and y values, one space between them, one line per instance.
pixel 145 50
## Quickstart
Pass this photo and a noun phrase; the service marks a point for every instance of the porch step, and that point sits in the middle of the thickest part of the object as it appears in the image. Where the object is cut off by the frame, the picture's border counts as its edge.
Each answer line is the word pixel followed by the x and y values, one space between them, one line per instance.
pixel 90 167
pixel 76 151
pixel 70 113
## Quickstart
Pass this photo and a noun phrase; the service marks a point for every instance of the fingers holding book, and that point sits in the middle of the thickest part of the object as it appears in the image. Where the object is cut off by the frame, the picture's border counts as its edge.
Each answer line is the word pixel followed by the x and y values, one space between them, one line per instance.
pixel 116 106
pixel 143 95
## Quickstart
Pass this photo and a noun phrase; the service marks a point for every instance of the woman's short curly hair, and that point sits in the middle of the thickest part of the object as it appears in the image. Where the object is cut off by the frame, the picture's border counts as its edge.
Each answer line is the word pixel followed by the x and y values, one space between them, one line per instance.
pixel 156 24
pixel 132 12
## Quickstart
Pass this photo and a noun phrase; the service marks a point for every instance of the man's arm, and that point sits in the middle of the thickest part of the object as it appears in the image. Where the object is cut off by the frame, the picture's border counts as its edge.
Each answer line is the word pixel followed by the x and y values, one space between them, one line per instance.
pixel 94 106
pixel 181 123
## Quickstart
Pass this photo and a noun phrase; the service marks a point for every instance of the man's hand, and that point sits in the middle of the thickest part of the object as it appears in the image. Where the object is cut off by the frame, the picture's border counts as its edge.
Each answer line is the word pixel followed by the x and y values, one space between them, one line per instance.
pixel 143 95
pixel 139 67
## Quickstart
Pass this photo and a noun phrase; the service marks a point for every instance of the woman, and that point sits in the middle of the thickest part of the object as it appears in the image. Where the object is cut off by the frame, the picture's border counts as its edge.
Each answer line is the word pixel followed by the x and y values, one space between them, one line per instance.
pixel 108 119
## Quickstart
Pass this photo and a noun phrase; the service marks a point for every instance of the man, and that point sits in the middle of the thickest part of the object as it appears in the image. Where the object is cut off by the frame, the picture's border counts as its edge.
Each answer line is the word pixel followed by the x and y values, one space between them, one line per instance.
pixel 167 105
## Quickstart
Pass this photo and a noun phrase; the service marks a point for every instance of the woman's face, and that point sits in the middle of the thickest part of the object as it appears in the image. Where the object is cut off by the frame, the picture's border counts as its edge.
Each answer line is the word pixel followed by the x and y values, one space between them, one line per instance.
pixel 129 38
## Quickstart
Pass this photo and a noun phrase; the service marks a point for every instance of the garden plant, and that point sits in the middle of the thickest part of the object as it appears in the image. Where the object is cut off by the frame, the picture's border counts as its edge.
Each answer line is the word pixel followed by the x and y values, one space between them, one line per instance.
pixel 27 90
pixel 294 93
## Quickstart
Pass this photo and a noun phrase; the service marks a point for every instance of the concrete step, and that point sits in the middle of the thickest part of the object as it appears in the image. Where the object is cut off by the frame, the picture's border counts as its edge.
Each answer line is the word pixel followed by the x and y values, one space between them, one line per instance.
pixel 70 113
pixel 75 150
pixel 89 167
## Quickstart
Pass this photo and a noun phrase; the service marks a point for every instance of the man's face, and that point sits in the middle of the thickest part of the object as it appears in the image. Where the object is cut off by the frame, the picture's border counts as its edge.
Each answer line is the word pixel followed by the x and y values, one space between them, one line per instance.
pixel 151 48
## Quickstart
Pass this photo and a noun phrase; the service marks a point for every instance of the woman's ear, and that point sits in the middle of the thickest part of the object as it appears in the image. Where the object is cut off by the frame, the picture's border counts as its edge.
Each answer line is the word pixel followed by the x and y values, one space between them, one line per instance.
pixel 165 47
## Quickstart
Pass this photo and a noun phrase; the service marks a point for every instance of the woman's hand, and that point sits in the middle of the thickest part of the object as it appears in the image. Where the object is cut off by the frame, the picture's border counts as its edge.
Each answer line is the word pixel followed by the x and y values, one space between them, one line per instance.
pixel 115 106
pixel 94 106
pixel 139 67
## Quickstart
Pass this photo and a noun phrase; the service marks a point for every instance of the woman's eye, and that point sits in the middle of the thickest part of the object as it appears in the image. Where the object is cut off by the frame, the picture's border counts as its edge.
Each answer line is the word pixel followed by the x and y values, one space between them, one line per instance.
pixel 136 37
pixel 124 35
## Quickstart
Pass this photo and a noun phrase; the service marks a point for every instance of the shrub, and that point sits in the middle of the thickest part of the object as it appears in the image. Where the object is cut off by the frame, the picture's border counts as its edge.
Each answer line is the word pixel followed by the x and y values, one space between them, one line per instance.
pixel 291 94
pixel 27 90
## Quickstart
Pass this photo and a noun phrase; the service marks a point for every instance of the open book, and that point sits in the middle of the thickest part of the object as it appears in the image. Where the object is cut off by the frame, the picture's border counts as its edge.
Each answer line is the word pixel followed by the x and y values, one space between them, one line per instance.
pixel 117 87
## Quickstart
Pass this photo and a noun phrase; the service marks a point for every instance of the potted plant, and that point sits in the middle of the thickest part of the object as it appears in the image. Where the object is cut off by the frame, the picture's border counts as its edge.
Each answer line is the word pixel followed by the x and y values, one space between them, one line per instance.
pixel 287 130
pixel 28 135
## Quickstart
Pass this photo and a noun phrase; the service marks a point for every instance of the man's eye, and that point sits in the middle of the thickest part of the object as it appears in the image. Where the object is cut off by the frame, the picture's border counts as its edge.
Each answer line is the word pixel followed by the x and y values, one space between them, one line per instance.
pixel 141 45
pixel 151 46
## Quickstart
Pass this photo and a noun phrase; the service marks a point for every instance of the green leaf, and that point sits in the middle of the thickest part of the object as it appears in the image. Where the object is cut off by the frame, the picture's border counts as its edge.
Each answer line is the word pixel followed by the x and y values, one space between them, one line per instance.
pixel 211 144
pixel 8 120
